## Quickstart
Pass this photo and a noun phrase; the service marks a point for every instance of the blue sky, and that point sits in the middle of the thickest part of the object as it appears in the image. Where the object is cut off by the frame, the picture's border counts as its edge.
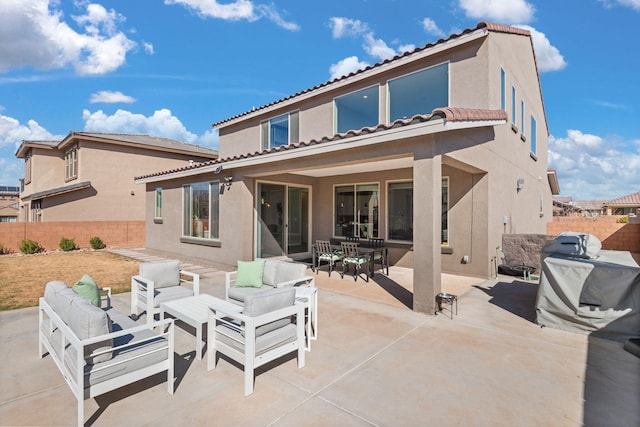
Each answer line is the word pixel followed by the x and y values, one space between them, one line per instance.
pixel 173 67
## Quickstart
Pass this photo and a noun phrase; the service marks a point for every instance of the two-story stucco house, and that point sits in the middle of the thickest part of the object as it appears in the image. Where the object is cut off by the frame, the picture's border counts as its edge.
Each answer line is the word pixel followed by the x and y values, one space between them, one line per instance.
pixel 90 176
pixel 440 151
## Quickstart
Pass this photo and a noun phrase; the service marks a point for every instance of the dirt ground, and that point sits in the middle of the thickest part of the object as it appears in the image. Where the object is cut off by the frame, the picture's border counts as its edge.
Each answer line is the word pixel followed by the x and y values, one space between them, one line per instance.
pixel 23 277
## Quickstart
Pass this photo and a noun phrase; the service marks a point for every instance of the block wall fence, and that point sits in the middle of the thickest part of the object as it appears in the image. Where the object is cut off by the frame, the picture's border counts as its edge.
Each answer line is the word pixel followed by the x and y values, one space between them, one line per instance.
pixel 125 234
pixel 613 235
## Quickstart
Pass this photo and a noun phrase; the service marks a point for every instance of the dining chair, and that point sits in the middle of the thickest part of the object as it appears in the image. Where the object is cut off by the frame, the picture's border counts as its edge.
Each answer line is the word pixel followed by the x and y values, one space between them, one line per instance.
pixel 324 252
pixel 379 253
pixel 352 256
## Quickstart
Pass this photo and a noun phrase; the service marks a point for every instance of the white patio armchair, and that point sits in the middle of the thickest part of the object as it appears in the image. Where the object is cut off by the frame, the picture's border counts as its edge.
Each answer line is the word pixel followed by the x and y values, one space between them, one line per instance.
pixel 269 326
pixel 160 282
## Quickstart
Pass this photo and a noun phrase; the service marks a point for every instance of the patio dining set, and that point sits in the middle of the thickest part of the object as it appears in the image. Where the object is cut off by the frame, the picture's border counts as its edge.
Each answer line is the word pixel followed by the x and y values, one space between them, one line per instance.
pixel 362 254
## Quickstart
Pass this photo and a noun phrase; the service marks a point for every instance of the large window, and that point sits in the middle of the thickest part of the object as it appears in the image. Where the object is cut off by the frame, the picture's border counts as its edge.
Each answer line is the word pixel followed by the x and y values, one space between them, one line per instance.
pixel 158 213
pixel 445 211
pixel 400 211
pixel 419 93
pixel 534 135
pixel 281 130
pixel 71 164
pixel 357 110
pixel 356 210
pixel 200 210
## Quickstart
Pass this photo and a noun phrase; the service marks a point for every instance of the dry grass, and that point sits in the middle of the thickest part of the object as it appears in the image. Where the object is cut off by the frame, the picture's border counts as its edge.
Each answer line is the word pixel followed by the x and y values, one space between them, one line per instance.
pixel 23 278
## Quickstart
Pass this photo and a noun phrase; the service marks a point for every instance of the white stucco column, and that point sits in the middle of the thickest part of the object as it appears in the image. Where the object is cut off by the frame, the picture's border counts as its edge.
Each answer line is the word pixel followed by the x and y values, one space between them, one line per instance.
pixel 427 207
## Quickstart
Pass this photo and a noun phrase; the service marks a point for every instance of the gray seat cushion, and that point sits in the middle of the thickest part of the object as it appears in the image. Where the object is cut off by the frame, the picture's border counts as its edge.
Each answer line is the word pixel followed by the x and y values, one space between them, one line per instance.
pixel 288 271
pixel 169 294
pixel 239 295
pixel 88 321
pixel 266 302
pixel 163 273
pixel 265 342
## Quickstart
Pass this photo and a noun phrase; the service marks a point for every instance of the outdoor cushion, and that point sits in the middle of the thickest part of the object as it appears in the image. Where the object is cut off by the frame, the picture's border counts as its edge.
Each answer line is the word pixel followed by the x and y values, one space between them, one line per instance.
pixel 88 321
pixel 62 304
pixel 163 273
pixel 87 288
pixel 265 342
pixel 266 302
pixel 250 273
pixel 51 289
pixel 270 269
pixel 240 294
pixel 288 271
pixel 169 294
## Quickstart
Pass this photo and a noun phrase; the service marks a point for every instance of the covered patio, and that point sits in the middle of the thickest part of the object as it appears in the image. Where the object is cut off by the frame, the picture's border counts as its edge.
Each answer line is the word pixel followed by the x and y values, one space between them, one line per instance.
pixel 375 362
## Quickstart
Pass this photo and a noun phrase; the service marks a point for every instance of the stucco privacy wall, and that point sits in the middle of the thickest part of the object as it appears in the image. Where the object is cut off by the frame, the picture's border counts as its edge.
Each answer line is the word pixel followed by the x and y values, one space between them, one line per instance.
pixel 613 235
pixel 48 234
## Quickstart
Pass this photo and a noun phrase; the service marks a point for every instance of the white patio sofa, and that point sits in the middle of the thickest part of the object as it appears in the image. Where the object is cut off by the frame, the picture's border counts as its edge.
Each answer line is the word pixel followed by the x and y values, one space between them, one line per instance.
pixel 277 274
pixel 116 351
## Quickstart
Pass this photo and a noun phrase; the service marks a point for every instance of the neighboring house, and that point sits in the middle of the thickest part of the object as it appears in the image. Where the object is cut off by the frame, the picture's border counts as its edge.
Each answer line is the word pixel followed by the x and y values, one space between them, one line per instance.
pixel 625 205
pixel 590 208
pixel 439 151
pixel 9 202
pixel 89 176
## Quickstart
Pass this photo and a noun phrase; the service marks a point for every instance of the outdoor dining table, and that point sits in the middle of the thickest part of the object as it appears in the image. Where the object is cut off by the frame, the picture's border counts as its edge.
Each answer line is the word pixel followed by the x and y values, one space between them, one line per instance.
pixel 370 251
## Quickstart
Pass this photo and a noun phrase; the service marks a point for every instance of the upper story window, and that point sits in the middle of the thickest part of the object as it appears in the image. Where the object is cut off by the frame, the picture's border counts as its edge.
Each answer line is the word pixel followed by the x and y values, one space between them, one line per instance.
pixel 281 130
pixel 534 135
pixel 357 110
pixel 419 93
pixel 27 169
pixel 514 110
pixel 201 210
pixel 71 164
pixel 503 89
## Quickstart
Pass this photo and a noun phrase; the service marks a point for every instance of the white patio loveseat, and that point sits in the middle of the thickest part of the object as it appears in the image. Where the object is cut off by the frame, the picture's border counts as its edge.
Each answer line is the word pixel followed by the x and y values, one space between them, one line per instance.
pixel 277 274
pixel 116 351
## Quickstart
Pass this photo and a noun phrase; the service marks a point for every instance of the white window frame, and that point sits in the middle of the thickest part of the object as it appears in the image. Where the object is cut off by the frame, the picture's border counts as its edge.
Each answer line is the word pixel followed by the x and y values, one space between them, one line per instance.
pixel 503 89
pixel 514 106
pixel 158 204
pixel 534 136
pixel 71 164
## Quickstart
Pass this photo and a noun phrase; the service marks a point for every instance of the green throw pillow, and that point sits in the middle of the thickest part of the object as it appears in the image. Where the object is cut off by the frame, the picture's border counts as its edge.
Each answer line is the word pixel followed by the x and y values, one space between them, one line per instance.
pixel 88 288
pixel 250 274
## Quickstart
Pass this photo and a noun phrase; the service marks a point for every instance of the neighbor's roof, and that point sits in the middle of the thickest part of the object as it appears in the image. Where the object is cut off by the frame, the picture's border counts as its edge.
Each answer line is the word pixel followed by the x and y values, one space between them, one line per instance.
pixel 628 200
pixel 446 114
pixel 485 26
pixel 139 140
pixel 58 191
pixel 589 205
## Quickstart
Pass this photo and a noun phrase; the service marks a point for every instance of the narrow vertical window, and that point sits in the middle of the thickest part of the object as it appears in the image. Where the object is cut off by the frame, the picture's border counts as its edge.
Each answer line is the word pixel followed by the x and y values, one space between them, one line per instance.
pixel 522 117
pixel 514 111
pixel 27 168
pixel 503 89
pixel 445 210
pixel 400 211
pixel 534 135
pixel 71 164
pixel 158 214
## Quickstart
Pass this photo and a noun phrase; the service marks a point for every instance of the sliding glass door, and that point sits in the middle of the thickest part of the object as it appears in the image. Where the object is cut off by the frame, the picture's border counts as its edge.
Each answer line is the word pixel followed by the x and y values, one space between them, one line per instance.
pixel 283 227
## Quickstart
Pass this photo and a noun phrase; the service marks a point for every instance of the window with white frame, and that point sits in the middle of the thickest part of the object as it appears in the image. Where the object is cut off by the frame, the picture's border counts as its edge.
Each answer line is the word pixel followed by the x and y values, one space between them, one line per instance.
pixel 71 164
pixel 201 210
pixel 522 117
pixel 356 210
pixel 534 135
pixel 158 210
pixel 514 111
pixel 418 93
pixel 400 211
pixel 503 89
pixel 357 110
pixel 445 211
pixel 280 130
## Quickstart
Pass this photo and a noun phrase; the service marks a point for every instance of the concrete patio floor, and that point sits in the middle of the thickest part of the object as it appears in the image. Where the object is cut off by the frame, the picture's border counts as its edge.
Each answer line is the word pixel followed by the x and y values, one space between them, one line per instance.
pixel 375 362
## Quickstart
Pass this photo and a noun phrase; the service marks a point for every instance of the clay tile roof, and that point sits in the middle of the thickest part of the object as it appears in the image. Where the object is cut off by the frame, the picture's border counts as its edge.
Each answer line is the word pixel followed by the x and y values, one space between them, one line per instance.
pixel 628 200
pixel 449 114
pixel 498 28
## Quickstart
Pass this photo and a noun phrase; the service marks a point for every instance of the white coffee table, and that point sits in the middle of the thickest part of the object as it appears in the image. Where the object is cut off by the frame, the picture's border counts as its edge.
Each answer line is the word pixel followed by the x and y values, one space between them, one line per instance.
pixel 194 311
pixel 309 296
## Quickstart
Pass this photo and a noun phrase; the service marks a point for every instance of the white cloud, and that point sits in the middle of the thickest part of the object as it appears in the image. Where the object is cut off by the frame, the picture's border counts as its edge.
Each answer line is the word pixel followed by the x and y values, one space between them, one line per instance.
pixel 162 123
pixel 516 11
pixel 346 66
pixel 148 47
pixel 51 43
pixel 11 170
pixel 593 167
pixel 208 139
pixel 406 47
pixel 634 4
pixel 377 47
pixel 235 11
pixel 345 27
pixel 430 27
pixel 548 57
pixel 13 132
pixel 110 97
